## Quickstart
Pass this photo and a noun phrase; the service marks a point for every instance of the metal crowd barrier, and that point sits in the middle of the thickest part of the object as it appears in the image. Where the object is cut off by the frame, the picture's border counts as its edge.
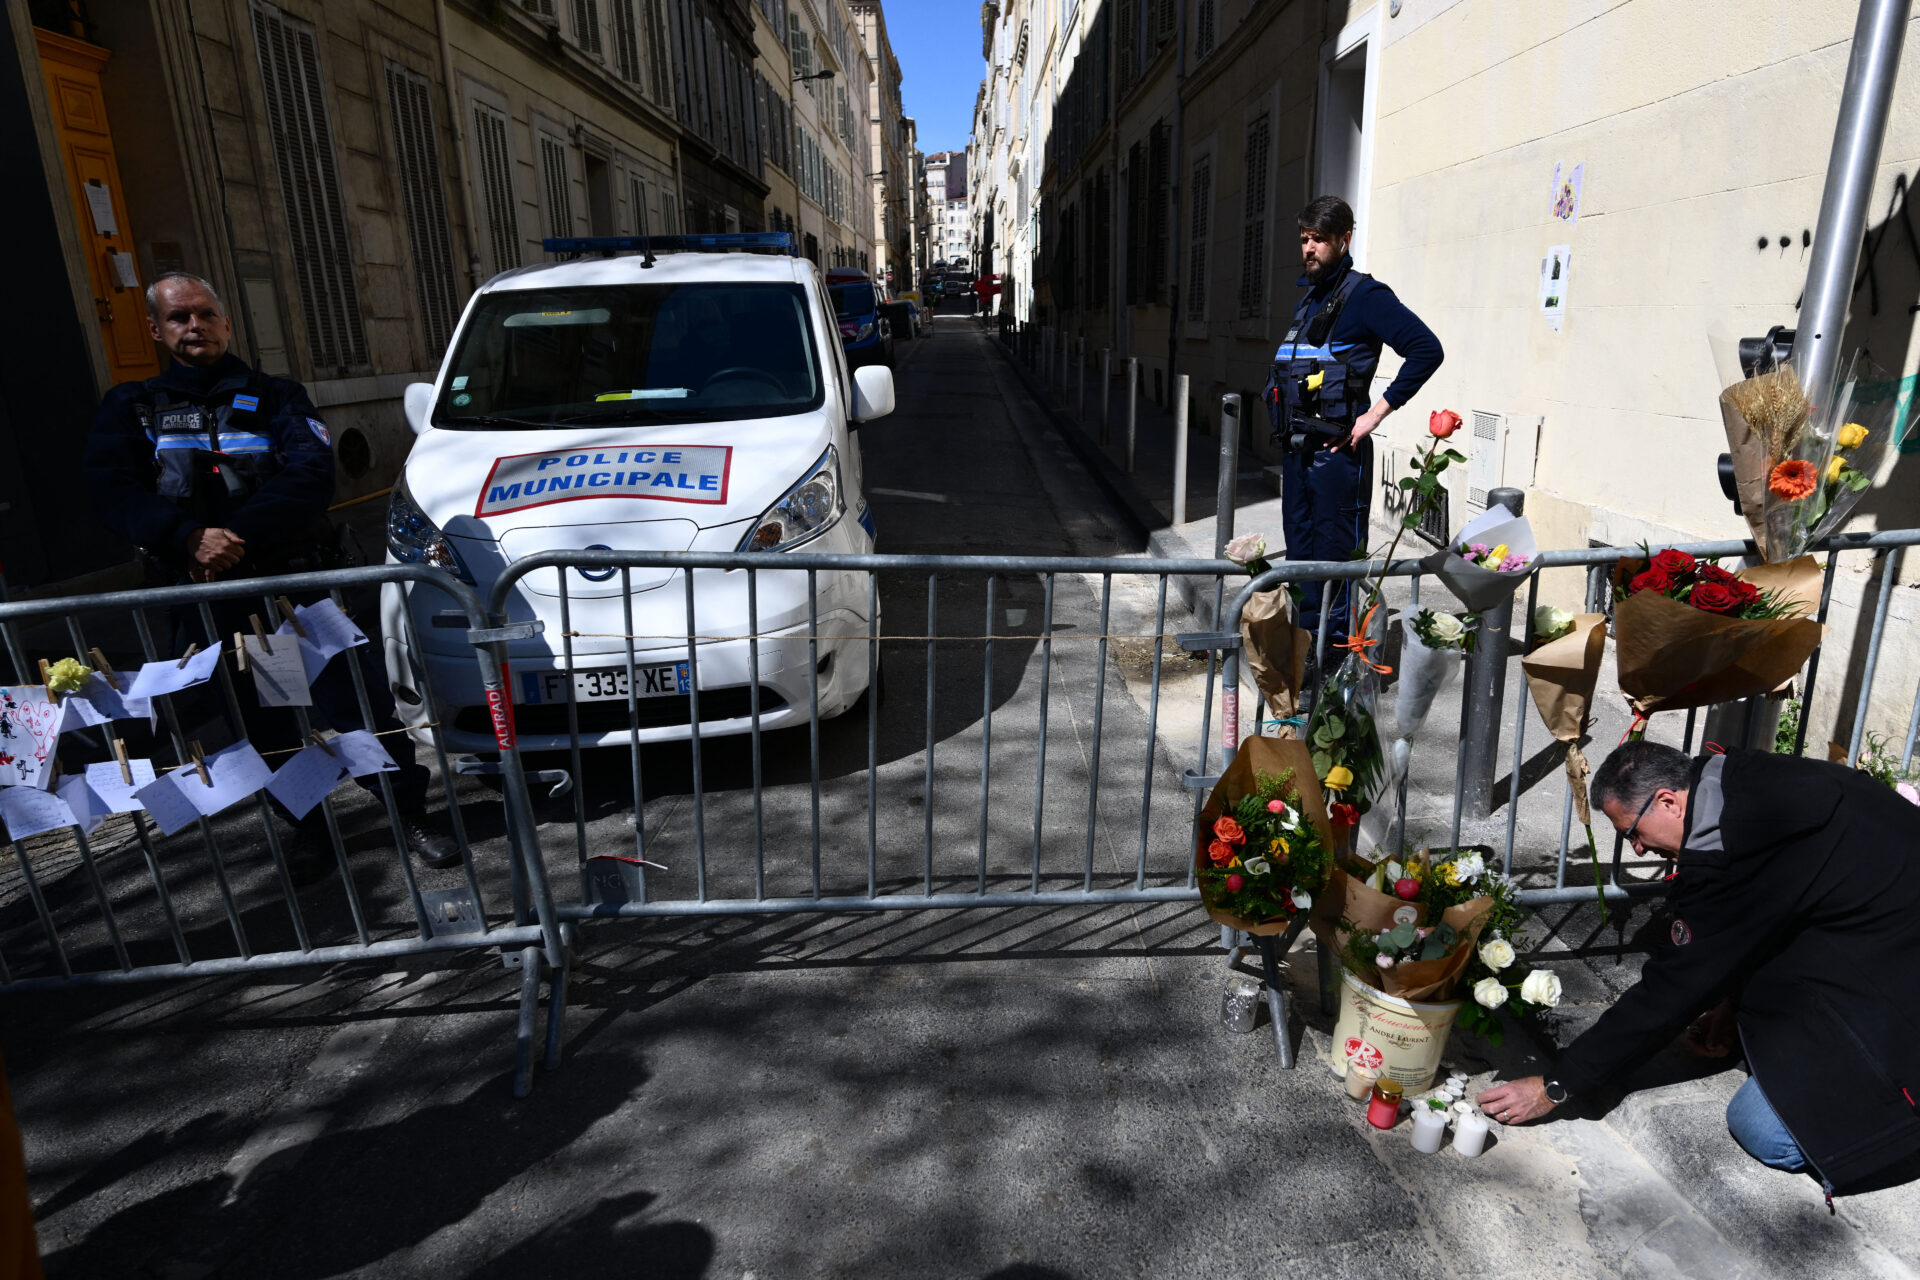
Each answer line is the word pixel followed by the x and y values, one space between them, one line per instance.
pixel 219 897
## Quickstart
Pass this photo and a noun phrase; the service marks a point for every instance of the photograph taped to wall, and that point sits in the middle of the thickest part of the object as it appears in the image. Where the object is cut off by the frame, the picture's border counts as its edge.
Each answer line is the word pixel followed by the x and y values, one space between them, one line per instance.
pixel 1554 270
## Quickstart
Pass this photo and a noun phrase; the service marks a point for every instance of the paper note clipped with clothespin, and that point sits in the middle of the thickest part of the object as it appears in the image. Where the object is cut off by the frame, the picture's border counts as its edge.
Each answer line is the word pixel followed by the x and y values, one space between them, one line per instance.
pixel 307 779
pixel 101 700
pixel 363 754
pixel 279 673
pixel 115 782
pixel 29 811
pixel 89 810
pixel 322 631
pixel 171 676
pixel 233 773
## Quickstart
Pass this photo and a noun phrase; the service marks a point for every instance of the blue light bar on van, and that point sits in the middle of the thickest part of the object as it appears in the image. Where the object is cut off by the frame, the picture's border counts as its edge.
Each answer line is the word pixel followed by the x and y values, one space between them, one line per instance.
pixel 720 243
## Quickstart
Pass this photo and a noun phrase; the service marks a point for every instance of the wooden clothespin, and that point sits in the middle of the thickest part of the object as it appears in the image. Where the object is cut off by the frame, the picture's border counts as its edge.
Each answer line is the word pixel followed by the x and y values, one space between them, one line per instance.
pixel 320 741
pixel 188 655
pixel 101 664
pixel 240 649
pixel 200 762
pixel 286 610
pixel 260 634
pixel 120 755
pixel 43 671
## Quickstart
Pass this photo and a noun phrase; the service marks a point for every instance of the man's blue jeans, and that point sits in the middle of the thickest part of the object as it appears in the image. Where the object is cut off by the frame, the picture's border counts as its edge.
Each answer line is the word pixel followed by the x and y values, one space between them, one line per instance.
pixel 1324 495
pixel 1756 1127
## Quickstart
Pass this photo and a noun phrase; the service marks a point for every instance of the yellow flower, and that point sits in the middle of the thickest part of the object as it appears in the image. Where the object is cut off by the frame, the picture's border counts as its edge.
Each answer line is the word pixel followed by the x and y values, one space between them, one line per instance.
pixel 1280 846
pixel 1835 467
pixel 1452 873
pixel 1852 435
pixel 1339 778
pixel 1498 555
pixel 69 675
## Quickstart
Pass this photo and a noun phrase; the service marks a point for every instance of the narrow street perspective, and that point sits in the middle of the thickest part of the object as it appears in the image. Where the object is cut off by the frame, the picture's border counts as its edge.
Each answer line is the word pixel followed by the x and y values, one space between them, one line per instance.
pixel 890 638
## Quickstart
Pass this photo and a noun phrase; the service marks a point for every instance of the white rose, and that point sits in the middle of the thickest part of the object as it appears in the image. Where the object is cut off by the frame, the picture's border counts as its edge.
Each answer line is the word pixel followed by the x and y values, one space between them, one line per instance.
pixel 1446 629
pixel 1497 954
pixel 1550 623
pixel 1541 988
pixel 1490 993
pixel 1247 548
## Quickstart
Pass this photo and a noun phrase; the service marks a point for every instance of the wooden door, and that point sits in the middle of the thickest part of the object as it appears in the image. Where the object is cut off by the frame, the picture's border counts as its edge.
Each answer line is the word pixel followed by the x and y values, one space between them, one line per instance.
pixel 72 69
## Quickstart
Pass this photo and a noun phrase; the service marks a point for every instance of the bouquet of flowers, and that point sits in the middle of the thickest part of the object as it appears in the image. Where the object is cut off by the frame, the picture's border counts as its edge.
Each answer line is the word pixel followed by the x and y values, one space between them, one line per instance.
pixel 1868 405
pixel 1344 734
pixel 1274 649
pixel 1689 633
pixel 1562 669
pixel 1264 847
pixel 1488 560
pixel 1430 649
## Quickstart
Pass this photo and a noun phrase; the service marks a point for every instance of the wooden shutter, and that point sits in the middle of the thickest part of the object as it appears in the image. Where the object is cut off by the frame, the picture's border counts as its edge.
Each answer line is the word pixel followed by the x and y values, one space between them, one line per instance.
pixel 1204 30
pixel 1202 192
pixel 637 189
pixel 1159 192
pixel 418 154
pixel 542 7
pixel 493 168
pixel 626 43
pixel 657 62
pixel 586 25
pixel 302 138
pixel 556 185
pixel 1253 234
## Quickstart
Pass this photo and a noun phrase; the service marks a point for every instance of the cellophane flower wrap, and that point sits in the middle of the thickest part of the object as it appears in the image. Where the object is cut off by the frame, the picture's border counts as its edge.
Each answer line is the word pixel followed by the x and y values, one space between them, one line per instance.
pixel 1264 846
pixel 1865 422
pixel 1688 633
pixel 1343 732
pixel 1487 560
pixel 1432 644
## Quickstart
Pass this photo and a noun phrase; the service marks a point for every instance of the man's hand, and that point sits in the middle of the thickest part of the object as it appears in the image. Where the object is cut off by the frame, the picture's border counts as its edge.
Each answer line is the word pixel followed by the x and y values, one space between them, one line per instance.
pixel 1713 1034
pixel 1517 1101
pixel 213 551
pixel 1364 425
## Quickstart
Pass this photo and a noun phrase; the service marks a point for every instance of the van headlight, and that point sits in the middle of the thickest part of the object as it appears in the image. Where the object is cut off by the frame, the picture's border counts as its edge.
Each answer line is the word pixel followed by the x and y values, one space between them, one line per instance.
pixel 866 331
pixel 803 512
pixel 414 539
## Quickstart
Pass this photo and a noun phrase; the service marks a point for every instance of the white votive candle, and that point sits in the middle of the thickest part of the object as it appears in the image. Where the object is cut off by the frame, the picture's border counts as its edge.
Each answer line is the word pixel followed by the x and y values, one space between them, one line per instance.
pixel 1429 1129
pixel 1470 1133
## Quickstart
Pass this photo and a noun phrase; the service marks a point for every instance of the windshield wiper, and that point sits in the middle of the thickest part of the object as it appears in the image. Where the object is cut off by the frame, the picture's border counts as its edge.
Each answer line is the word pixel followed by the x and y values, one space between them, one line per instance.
pixel 485 420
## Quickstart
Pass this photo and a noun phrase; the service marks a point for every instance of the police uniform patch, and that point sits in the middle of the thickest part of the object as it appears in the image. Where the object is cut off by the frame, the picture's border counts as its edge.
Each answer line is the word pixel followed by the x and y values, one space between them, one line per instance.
pixel 1680 934
pixel 319 429
pixel 248 403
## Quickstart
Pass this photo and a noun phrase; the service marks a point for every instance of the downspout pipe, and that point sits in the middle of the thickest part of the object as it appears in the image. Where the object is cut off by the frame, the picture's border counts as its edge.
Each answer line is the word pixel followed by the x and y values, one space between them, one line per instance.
pixel 1175 151
pixel 1866 100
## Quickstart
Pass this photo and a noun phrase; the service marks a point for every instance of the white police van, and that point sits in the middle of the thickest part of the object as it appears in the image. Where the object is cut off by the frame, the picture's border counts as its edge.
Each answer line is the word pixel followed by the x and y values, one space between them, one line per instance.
pixel 692 395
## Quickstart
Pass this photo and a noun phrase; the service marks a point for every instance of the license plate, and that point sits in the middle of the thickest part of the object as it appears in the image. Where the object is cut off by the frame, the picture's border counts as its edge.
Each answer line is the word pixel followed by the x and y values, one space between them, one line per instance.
pixel 605 684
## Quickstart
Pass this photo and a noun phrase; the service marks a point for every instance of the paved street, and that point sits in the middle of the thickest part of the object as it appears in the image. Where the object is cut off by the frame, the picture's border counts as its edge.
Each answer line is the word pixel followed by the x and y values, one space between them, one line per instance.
pixel 1022 1094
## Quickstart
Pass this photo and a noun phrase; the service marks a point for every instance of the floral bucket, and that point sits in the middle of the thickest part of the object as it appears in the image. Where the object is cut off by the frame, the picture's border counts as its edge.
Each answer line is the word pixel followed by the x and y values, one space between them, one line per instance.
pixel 1411 1038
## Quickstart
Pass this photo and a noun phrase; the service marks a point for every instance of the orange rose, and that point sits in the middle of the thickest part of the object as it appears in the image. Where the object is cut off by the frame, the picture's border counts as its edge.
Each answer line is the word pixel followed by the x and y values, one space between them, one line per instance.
pixel 1443 423
pixel 1228 829
pixel 1221 852
pixel 1794 479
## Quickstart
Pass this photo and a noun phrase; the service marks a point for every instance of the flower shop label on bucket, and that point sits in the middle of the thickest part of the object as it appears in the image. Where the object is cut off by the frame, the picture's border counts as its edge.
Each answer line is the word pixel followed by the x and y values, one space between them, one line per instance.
pixel 660 473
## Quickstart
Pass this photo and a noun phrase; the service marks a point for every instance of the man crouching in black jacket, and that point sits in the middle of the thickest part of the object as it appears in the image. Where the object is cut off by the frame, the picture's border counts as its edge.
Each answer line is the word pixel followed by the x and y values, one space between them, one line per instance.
pixel 1798 901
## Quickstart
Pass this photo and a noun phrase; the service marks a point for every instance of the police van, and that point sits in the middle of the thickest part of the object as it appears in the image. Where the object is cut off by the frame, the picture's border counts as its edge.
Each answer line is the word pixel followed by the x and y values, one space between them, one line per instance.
pixel 646 394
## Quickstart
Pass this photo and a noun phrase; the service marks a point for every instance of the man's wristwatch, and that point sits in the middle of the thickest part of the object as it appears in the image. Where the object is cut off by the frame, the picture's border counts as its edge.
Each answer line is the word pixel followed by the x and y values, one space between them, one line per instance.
pixel 1557 1093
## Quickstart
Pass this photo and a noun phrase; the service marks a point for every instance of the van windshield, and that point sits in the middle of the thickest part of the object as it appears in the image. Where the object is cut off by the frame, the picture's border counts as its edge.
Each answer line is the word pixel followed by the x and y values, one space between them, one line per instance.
pixel 701 352
pixel 851 301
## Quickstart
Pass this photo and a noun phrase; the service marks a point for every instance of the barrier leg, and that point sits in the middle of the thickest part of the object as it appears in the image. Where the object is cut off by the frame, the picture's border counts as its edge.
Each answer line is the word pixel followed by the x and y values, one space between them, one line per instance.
pixel 523 1036
pixel 557 1008
pixel 1277 1001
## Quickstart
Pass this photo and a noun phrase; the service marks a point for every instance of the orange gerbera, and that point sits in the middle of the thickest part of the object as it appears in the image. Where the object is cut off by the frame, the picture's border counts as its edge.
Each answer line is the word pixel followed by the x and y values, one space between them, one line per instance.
pixel 1794 479
pixel 1221 852
pixel 1228 829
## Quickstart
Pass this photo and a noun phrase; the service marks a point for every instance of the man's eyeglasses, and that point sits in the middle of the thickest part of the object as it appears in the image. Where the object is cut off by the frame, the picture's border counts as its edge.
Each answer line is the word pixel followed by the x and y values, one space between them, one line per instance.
pixel 1648 804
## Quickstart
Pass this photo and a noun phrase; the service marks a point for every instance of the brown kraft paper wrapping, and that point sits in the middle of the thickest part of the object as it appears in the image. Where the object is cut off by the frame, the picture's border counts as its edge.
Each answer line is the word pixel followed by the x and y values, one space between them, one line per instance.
pixel 1751 466
pixel 1673 656
pixel 1257 756
pixel 1561 675
pixel 1276 653
pixel 1348 899
pixel 1435 979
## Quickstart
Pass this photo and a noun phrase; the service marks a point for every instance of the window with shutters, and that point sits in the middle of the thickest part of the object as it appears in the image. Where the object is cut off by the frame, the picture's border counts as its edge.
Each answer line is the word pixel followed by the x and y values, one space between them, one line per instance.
pixel 1165 19
pixel 586 25
pixel 1129 41
pixel 637 196
pixel 544 8
pixel 1204 28
pixel 1253 230
pixel 493 173
pixel 302 138
pixel 1159 209
pixel 1201 193
pixel 556 185
pixel 657 62
pixel 799 47
pixel 410 101
pixel 626 42
pixel 1136 242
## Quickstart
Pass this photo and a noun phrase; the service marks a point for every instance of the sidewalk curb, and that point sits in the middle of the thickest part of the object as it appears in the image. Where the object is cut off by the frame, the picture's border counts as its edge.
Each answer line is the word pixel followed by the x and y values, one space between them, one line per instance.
pixel 1141 515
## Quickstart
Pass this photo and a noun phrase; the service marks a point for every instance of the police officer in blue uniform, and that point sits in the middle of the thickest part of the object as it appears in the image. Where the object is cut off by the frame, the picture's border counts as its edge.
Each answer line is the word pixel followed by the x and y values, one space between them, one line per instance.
pixel 1320 400
pixel 216 470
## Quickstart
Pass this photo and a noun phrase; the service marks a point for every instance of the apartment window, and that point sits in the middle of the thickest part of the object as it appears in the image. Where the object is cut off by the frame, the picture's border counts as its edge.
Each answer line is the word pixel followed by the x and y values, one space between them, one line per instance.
pixel 410 101
pixel 799 48
pixel 302 138
pixel 657 52
pixel 556 185
pixel 493 170
pixel 544 8
pixel 1203 28
pixel 637 197
pixel 1253 230
pixel 586 25
pixel 626 42
pixel 1202 194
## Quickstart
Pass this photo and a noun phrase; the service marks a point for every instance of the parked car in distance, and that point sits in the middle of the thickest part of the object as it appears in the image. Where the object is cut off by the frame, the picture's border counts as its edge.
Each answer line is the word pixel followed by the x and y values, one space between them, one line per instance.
pixel 858 304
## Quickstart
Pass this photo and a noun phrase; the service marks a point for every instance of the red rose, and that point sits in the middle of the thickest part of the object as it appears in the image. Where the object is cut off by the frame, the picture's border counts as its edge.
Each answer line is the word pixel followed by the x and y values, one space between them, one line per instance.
pixel 1229 830
pixel 1674 563
pixel 1345 815
pixel 1714 573
pixel 1744 592
pixel 1714 597
pixel 1234 883
pixel 1443 423
pixel 1407 887
pixel 1652 580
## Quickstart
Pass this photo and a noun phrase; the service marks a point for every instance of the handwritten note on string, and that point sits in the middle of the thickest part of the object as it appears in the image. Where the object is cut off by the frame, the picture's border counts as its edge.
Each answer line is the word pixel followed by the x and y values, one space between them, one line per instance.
pixel 29 811
pixel 233 774
pixel 307 779
pixel 169 676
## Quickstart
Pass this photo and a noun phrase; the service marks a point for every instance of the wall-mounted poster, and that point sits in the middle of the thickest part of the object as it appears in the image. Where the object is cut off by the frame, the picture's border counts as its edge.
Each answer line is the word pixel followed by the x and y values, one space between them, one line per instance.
pixel 1554 269
pixel 1566 191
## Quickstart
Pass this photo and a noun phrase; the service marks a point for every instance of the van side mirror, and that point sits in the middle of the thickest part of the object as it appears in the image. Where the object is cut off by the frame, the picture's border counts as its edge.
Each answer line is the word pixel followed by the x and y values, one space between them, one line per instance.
pixel 872 393
pixel 418 399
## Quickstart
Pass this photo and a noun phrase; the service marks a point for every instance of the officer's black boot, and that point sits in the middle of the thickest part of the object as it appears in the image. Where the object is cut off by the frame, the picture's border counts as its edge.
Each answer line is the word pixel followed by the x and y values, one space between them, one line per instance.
pixel 431 840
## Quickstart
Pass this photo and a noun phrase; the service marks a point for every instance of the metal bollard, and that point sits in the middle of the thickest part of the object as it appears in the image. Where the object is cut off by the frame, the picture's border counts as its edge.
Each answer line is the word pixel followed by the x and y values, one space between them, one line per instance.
pixel 1080 404
pixel 1486 690
pixel 1229 468
pixel 1106 395
pixel 1133 407
pixel 1180 449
